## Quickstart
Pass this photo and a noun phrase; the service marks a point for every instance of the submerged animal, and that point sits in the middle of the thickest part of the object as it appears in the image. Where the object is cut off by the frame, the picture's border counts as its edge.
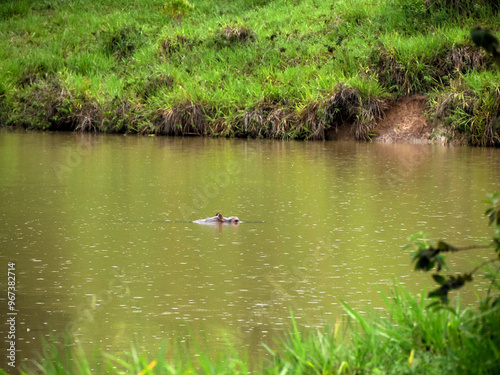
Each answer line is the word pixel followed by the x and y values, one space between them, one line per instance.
pixel 219 219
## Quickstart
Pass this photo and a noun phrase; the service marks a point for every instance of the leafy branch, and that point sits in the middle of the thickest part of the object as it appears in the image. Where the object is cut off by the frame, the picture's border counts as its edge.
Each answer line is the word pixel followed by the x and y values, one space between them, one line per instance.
pixel 428 256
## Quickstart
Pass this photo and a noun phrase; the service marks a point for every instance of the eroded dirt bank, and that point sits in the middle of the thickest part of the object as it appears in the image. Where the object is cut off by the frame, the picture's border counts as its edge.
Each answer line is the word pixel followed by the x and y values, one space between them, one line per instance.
pixel 405 122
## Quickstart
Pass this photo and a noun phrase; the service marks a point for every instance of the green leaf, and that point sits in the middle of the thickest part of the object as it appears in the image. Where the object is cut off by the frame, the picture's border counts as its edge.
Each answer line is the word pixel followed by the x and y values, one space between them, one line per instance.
pixel 357 317
pixel 434 304
pixel 441 280
pixel 441 293
pixel 424 264
pixel 440 262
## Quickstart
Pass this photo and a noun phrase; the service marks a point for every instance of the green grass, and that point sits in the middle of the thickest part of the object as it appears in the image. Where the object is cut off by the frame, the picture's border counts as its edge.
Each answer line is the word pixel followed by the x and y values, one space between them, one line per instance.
pixel 229 58
pixel 408 339
pixel 411 340
pixel 470 106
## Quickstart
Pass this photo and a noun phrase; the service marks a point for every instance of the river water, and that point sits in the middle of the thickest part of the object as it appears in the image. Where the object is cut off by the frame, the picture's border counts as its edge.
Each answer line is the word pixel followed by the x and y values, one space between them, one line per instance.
pixel 100 230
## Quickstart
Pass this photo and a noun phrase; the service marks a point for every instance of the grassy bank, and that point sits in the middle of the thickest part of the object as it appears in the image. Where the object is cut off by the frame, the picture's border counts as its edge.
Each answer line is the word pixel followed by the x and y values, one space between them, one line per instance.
pixel 410 340
pixel 245 68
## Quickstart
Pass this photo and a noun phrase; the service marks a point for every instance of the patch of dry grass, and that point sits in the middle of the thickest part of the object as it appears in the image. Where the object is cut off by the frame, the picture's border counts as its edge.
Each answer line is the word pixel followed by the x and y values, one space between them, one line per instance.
pixel 187 118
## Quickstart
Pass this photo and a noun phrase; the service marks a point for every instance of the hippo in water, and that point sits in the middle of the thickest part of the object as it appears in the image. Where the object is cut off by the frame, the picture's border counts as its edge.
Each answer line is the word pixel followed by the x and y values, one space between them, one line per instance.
pixel 219 219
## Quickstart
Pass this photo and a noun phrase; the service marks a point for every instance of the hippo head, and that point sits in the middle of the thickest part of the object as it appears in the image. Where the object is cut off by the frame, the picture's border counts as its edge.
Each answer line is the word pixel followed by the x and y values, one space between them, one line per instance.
pixel 231 219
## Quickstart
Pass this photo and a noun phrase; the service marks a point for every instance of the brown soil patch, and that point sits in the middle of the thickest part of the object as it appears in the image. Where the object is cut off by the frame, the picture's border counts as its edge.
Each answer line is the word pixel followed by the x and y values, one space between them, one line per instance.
pixel 405 122
pixel 341 133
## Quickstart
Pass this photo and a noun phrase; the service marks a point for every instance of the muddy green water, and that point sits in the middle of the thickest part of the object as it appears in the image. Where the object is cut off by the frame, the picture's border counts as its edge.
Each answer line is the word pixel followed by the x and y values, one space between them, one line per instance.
pixel 100 230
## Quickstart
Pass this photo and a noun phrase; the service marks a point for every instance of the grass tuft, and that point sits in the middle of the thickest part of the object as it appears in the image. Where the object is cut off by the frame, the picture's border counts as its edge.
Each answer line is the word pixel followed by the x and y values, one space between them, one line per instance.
pixel 89 118
pixel 123 42
pixel 471 115
pixel 175 45
pixel 465 58
pixel 231 34
pixel 266 120
pixel 312 121
pixel 187 118
pixel 154 83
pixel 349 106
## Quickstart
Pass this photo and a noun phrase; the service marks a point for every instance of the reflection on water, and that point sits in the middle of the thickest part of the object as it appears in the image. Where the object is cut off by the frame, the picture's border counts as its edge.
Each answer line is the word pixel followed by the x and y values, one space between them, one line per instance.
pixel 101 230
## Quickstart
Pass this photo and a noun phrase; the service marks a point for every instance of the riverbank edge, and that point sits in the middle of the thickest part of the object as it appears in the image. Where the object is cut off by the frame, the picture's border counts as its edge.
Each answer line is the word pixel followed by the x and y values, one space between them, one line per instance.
pixel 348 113
pixel 403 120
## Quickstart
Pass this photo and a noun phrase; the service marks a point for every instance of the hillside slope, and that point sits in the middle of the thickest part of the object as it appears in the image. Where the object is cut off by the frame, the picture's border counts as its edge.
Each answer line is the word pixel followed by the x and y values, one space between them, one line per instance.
pixel 312 69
